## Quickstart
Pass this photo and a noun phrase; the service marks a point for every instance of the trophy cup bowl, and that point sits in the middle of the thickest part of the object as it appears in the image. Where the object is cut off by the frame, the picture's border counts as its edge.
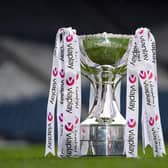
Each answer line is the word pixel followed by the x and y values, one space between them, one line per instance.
pixel 103 62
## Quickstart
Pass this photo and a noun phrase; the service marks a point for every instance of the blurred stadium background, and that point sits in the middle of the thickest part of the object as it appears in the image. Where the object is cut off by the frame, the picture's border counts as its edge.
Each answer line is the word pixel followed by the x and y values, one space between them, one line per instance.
pixel 27 36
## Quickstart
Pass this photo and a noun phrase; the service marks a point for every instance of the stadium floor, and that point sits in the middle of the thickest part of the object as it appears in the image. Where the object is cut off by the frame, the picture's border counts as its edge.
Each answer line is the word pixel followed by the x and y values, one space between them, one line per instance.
pixel 32 157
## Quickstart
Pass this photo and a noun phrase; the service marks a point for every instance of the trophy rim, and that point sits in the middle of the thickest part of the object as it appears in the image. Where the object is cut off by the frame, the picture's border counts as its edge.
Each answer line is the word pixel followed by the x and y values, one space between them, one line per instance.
pixel 105 34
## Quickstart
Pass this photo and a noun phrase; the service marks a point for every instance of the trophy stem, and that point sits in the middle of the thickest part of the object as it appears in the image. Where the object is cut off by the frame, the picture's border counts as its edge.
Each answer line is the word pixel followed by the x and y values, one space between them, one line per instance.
pixel 107 96
pixel 102 133
pixel 105 107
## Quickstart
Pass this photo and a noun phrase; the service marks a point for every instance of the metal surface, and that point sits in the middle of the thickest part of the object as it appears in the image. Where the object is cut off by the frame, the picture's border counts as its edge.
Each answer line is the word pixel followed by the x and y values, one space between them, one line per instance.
pixel 102 140
pixel 102 132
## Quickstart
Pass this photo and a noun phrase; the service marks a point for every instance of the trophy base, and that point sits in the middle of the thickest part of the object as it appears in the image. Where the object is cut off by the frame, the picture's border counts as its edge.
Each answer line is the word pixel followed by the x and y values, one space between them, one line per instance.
pixel 102 139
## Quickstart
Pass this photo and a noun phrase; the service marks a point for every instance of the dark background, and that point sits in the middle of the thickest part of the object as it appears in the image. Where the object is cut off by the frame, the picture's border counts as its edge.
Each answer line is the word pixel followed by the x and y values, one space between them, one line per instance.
pixel 39 20
pixel 36 23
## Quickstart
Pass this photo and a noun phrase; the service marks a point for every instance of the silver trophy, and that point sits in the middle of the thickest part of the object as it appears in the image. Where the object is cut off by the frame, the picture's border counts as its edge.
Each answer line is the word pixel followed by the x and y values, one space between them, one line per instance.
pixel 103 61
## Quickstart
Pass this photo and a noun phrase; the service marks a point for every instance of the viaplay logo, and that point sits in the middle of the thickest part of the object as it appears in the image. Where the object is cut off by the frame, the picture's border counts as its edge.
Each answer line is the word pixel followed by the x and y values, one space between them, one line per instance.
pixel 62 73
pixel 69 38
pixel 61 117
pixel 141 31
pixel 50 116
pixel 132 78
pixel 69 126
pixel 70 81
pixel 77 76
pixel 150 74
pixel 83 130
pixel 131 123
pixel 152 120
pixel 156 117
pixel 55 72
pixel 142 74
pixel 76 120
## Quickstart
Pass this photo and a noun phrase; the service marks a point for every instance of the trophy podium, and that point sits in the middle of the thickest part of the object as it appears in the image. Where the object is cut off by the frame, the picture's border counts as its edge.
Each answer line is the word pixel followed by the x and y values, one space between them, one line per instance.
pixel 103 61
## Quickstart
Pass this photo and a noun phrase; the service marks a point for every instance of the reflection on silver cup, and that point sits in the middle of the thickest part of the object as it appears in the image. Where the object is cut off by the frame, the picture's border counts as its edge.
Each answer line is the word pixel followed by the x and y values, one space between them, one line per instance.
pixel 103 62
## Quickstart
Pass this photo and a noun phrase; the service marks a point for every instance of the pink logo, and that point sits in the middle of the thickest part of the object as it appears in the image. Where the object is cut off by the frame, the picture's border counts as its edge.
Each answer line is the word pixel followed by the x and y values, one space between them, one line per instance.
pixel 83 130
pixel 142 74
pixel 69 126
pixel 55 72
pixel 151 121
pixel 69 38
pixel 61 117
pixel 132 78
pixel 77 76
pixel 62 73
pixel 70 81
pixel 50 117
pixel 76 120
pixel 131 123
pixel 156 117
pixel 141 31
pixel 150 74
